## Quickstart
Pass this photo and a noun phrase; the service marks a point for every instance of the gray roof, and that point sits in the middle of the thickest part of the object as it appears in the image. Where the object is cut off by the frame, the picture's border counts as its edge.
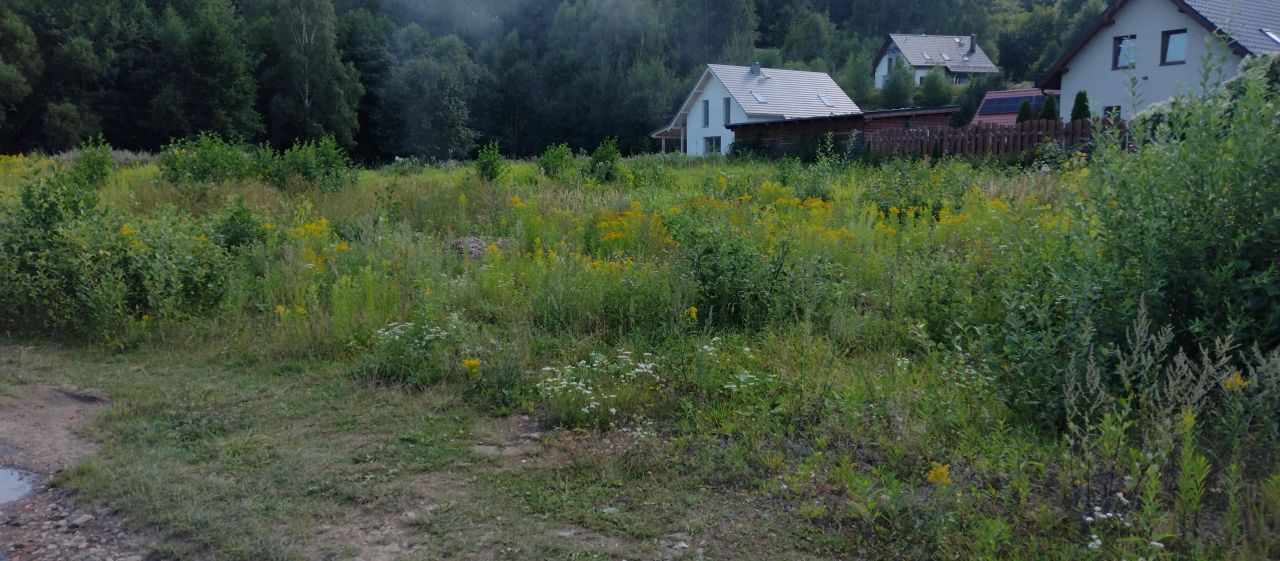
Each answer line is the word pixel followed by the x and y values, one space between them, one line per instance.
pixel 1244 21
pixel 789 94
pixel 786 94
pixel 914 48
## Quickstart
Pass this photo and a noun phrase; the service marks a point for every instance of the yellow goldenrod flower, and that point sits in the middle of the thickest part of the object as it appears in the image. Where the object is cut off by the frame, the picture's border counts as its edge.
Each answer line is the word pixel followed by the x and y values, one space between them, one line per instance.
pixel 1235 383
pixel 268 226
pixel 472 365
pixel 691 313
pixel 281 311
pixel 202 238
pixel 516 202
pixel 343 247
pixel 126 230
pixel 940 474
pixel 300 310
pixel 146 318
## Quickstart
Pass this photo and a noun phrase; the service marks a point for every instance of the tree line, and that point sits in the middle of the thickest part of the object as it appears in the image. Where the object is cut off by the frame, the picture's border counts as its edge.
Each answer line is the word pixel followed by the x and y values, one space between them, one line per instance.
pixel 433 80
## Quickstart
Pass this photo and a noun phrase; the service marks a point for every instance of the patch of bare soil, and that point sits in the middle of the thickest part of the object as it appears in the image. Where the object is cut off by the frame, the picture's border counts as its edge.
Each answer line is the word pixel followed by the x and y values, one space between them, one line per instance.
pixel 38 436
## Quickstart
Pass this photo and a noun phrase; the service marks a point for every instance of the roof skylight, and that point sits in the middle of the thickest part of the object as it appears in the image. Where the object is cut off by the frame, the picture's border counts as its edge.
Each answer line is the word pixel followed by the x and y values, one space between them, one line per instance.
pixel 1274 36
pixel 946 57
pixel 758 95
pixel 826 100
pixel 926 56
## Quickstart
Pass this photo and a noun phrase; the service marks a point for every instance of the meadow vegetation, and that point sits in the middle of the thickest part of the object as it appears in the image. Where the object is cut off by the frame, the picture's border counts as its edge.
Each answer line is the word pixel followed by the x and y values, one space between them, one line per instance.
pixel 918 359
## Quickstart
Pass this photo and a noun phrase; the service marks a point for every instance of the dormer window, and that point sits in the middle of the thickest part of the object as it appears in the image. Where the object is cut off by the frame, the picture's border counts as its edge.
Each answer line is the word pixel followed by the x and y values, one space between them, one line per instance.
pixel 1273 35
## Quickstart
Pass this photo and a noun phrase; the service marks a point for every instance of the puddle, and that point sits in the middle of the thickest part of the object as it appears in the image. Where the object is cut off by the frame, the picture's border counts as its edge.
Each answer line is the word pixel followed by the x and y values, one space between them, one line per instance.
pixel 14 484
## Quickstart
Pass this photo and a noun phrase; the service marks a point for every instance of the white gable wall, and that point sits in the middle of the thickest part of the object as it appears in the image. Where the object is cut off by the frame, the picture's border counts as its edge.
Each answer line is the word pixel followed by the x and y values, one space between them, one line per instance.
pixel 892 54
pixel 886 62
pixel 715 93
pixel 1090 70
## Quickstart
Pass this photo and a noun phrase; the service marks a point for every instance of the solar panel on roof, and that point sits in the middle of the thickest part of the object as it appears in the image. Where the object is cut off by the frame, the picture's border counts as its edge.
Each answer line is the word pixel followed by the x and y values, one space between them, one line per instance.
pixel 1007 105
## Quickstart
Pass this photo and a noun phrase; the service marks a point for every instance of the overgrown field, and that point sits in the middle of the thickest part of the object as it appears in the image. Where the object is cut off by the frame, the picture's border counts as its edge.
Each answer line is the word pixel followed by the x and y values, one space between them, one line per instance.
pixel 927 360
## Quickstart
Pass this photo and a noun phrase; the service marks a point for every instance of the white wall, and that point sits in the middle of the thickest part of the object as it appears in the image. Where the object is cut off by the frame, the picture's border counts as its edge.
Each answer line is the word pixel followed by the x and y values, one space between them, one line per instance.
pixel 892 54
pixel 886 62
pixel 1090 69
pixel 715 92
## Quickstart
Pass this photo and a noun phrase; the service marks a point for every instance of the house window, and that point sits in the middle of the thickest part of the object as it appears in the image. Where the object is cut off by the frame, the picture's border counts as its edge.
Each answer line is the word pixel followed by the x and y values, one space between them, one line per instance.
pixel 1173 47
pixel 726 111
pixel 711 145
pixel 1124 54
pixel 706 113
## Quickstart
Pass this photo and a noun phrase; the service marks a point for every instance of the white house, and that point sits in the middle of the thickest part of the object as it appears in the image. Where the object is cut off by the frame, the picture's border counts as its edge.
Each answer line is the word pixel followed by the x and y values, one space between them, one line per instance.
pixel 959 55
pixel 1140 52
pixel 727 95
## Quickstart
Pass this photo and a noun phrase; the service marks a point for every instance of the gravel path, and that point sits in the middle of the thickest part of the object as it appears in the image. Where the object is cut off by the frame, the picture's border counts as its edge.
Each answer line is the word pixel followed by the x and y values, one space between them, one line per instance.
pixel 38 436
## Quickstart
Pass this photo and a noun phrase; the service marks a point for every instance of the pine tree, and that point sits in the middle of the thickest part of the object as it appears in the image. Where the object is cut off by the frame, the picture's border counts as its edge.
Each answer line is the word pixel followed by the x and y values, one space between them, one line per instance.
pixel 1024 111
pixel 209 76
pixel 1049 111
pixel 1080 109
pixel 899 86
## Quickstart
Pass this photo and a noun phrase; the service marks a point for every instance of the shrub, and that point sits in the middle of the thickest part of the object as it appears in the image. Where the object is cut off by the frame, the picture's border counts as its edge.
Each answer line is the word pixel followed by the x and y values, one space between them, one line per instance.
pixel 739 284
pixel 93 162
pixel 1024 111
pixel 237 226
pixel 321 163
pixel 1049 111
pixel 71 268
pixel 1080 107
pixel 490 164
pixel 556 161
pixel 606 161
pixel 206 158
pixel 1182 218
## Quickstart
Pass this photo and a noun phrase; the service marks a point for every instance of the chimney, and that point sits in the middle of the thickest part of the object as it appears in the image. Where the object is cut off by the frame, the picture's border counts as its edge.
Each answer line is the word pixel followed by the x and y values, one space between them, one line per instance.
pixel 973 43
pixel 755 68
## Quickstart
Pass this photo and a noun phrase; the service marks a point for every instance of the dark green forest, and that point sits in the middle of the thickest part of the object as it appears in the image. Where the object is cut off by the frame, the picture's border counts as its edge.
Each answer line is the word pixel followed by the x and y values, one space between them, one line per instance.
pixel 433 79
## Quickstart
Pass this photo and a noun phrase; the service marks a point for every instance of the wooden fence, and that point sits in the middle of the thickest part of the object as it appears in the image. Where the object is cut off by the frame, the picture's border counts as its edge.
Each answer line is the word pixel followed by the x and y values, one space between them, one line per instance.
pixel 983 139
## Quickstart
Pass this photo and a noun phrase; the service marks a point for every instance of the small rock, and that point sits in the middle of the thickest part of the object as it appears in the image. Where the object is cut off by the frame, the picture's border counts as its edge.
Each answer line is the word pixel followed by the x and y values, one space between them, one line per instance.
pixel 81 520
pixel 609 510
pixel 131 558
